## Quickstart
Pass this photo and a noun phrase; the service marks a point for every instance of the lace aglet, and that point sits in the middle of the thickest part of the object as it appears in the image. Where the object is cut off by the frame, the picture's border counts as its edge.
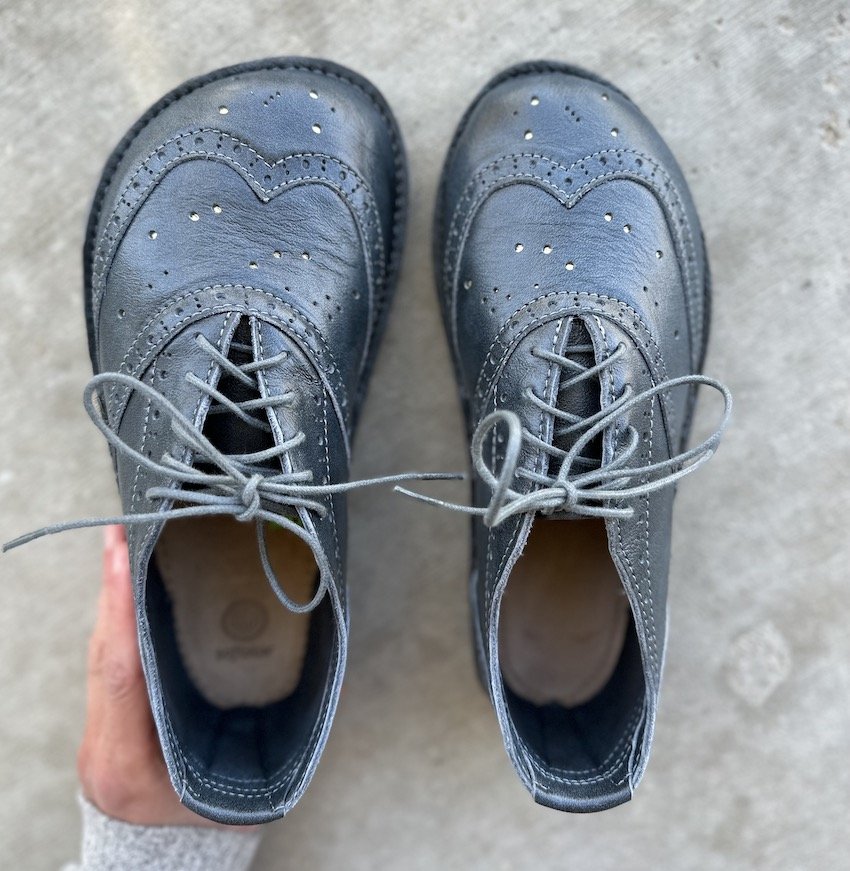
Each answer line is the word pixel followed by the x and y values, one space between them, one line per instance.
pixel 24 539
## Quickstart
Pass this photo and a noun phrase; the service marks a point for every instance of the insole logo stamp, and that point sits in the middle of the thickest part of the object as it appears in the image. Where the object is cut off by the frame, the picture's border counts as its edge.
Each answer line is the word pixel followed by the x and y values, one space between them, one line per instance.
pixel 244 620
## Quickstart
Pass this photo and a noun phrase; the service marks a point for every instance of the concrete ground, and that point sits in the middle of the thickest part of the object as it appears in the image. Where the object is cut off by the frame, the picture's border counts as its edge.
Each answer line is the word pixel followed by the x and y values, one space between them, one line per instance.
pixel 750 766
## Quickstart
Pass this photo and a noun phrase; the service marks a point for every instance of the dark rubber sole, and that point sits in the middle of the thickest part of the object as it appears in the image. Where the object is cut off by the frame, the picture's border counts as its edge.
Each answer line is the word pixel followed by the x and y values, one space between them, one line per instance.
pixel 324 67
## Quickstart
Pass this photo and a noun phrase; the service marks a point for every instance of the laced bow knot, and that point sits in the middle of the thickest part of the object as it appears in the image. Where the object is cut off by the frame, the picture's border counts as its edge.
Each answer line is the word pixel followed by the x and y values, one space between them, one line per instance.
pixel 597 492
pixel 242 486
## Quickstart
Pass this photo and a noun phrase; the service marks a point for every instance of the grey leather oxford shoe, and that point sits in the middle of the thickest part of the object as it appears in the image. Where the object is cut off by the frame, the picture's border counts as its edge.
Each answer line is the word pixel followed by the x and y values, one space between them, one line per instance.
pixel 241 254
pixel 575 294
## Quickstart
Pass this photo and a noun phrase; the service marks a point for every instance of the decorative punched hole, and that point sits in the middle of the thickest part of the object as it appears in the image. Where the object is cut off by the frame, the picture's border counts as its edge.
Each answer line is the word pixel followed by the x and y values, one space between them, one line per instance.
pixel 528 134
pixel 152 234
pixel 518 247
pixel 305 255
pixel 216 209
pixel 569 266
pixel 121 313
pixel 194 216
pixel 316 128
pixel 467 284
pixel 223 110
pixel 253 265
pixel 276 255
pixel 659 255
pixel 608 216
pixel 627 228
pixel 314 95
pixel 675 334
pixel 604 96
pixel 535 101
pixel 547 249
pixel 615 132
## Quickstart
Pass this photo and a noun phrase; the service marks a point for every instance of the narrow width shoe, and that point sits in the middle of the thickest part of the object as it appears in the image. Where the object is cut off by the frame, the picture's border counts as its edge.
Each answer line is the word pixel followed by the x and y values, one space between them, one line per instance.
pixel 575 293
pixel 241 254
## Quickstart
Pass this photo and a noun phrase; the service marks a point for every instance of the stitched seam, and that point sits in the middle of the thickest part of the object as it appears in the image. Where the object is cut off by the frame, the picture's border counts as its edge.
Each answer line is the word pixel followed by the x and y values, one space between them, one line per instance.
pixel 367 207
pixel 609 370
pixel 636 320
pixel 179 93
pixel 548 773
pixel 674 204
pixel 200 313
pixel 103 256
pixel 644 602
pixel 620 749
pixel 134 489
pixel 650 346
pixel 538 465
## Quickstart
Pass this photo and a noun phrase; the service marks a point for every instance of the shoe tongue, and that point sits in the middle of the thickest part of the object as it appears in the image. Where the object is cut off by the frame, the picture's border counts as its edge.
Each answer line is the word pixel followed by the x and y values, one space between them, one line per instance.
pixel 581 399
pixel 229 433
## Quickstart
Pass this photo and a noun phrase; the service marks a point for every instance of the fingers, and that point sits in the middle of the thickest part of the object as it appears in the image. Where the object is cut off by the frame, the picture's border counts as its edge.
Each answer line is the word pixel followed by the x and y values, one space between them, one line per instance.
pixel 120 762
pixel 118 700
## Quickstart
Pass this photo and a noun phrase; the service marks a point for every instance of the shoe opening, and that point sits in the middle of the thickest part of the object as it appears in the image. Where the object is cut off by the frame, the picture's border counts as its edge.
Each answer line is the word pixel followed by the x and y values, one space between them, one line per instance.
pixel 245 680
pixel 571 665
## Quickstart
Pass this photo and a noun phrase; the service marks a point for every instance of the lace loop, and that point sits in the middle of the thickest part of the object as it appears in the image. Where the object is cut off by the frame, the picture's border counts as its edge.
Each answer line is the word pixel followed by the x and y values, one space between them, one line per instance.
pixel 585 493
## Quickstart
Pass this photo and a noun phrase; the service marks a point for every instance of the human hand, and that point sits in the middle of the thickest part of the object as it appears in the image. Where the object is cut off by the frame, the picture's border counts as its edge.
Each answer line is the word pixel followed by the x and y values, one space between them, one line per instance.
pixel 120 763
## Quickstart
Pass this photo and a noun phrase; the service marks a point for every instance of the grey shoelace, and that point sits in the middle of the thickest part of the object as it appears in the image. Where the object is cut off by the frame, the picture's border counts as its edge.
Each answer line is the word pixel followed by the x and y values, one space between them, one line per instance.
pixel 587 493
pixel 239 486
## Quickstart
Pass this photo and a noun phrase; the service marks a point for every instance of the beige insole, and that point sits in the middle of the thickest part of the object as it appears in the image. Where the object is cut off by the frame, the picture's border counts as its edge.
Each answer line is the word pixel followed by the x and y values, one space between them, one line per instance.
pixel 239 644
pixel 564 614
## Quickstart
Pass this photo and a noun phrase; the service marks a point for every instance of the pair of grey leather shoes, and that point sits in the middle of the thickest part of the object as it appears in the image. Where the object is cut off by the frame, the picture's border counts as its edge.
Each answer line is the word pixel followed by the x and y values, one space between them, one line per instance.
pixel 241 255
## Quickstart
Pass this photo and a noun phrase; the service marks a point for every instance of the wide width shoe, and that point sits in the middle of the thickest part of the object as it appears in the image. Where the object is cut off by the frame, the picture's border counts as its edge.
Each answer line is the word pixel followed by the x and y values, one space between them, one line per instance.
pixel 241 254
pixel 575 292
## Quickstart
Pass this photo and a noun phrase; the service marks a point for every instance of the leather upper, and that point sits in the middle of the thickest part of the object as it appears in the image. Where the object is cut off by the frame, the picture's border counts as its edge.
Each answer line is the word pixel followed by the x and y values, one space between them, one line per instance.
pixel 267 198
pixel 560 201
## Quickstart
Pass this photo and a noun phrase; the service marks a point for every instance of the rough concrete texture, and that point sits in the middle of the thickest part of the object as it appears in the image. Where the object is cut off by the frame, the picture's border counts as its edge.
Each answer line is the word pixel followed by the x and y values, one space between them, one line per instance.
pixel 750 766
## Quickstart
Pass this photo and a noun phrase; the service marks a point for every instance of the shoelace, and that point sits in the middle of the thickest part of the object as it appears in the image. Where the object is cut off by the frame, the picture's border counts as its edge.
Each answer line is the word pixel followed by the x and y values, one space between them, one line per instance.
pixel 239 486
pixel 587 493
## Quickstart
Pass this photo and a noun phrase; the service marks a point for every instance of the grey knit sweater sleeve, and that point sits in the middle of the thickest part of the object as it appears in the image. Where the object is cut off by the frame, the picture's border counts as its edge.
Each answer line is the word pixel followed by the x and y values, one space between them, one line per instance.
pixel 113 845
